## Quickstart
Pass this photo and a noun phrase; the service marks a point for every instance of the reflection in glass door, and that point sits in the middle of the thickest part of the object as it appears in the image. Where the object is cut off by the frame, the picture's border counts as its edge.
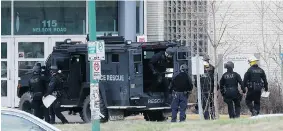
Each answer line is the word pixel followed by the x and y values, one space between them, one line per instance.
pixel 6 75
pixel 28 53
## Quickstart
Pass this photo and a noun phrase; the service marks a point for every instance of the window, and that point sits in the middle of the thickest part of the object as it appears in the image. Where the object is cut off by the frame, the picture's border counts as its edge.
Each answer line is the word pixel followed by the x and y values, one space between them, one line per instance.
pixel 137 58
pixel 115 57
pixel 31 50
pixel 14 123
pixel 107 16
pixel 148 54
pixel 5 17
pixel 49 17
pixel 62 63
pixel 25 67
pixel 182 55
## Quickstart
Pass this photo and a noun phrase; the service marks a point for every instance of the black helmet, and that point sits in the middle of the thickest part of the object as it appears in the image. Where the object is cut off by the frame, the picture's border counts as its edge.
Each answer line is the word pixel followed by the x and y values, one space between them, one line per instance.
pixel 229 64
pixel 170 51
pixel 36 69
pixel 183 67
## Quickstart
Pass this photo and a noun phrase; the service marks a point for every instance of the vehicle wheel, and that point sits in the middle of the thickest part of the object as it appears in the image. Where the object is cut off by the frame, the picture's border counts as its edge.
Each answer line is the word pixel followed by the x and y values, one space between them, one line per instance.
pixel 85 114
pixel 25 102
pixel 154 116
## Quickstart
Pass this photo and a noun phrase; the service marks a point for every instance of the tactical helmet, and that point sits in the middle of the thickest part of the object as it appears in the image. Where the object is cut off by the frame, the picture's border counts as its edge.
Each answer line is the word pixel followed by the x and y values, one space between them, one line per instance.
pixel 183 67
pixel 36 69
pixel 229 64
pixel 170 51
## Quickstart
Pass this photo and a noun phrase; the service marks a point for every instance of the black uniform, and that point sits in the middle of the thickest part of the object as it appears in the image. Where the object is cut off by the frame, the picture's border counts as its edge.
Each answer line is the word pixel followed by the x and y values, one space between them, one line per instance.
pixel 158 64
pixel 181 84
pixel 207 88
pixel 255 80
pixel 37 88
pixel 55 87
pixel 229 90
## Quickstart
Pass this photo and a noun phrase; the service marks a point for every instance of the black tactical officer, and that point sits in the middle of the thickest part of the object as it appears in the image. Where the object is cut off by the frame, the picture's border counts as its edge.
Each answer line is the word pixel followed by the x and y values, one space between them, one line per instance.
pixel 38 88
pixel 181 85
pixel 229 90
pixel 207 88
pixel 158 64
pixel 255 80
pixel 55 88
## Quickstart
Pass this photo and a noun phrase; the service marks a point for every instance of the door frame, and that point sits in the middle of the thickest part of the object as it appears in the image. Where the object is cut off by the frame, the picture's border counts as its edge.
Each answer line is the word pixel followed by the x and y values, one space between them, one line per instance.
pixel 17 60
pixel 8 100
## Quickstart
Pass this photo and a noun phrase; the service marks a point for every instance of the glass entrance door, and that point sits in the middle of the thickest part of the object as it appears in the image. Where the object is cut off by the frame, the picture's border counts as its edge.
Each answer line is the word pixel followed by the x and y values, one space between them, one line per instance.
pixel 28 51
pixel 7 80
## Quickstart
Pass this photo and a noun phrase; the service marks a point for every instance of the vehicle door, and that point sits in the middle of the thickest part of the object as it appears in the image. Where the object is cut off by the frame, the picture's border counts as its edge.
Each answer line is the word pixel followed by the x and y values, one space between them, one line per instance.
pixel 182 56
pixel 136 72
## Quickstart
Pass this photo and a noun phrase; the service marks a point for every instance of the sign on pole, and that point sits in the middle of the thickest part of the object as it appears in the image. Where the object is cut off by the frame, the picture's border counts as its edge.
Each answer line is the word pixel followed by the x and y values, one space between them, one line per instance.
pixel 96 71
pixel 96 50
pixel 196 66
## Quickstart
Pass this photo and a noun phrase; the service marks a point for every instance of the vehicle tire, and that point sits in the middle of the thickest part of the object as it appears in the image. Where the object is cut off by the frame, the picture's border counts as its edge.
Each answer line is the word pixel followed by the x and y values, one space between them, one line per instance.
pixel 25 103
pixel 154 116
pixel 85 114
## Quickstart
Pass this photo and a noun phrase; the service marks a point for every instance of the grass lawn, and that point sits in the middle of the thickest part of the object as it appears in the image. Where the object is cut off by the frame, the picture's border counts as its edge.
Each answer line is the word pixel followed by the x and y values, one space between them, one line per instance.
pixel 192 124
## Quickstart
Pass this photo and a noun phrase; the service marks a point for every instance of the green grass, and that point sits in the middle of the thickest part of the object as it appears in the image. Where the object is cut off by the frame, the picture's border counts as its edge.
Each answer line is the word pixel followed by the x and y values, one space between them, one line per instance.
pixel 242 124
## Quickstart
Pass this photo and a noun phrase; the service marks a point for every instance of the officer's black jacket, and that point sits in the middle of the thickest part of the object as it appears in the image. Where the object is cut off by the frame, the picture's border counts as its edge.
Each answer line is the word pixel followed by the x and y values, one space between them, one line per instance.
pixel 37 84
pixel 55 84
pixel 231 79
pixel 257 75
pixel 158 62
pixel 182 82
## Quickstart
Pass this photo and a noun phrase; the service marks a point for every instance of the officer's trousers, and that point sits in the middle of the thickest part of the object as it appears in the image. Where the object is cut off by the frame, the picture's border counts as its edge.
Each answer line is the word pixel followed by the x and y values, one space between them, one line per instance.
pixel 58 112
pixel 161 81
pixel 207 106
pixel 179 102
pixel 36 105
pixel 253 101
pixel 40 110
pixel 234 107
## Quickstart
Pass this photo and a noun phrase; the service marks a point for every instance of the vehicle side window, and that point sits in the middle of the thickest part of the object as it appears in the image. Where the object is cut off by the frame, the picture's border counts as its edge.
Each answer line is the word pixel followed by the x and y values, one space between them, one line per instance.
pixel 115 57
pixel 182 55
pixel 63 63
pixel 15 123
pixel 148 54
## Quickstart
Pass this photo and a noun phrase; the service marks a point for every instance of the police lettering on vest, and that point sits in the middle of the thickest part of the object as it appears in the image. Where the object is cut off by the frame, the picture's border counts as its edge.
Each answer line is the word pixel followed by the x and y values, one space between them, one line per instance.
pixel 112 78
pixel 229 76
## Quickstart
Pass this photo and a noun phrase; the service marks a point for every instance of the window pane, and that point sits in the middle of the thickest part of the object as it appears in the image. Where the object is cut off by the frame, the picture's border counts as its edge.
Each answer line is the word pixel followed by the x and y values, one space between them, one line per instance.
pixel 3 50
pixel 5 17
pixel 31 50
pixel 3 88
pixel 26 66
pixel 3 69
pixel 14 123
pixel 50 17
pixel 107 16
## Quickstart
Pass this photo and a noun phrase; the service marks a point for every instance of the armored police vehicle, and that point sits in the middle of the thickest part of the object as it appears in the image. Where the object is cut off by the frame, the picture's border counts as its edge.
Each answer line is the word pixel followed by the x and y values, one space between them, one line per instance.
pixel 125 81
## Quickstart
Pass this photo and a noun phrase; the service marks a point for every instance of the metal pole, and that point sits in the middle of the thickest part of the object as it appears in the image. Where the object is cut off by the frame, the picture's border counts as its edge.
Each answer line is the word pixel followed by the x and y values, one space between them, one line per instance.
pixel 92 37
pixel 200 111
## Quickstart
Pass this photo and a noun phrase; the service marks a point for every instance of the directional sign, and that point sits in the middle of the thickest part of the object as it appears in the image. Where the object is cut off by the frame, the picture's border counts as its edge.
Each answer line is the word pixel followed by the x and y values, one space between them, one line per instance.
pixel 96 71
pixel 96 50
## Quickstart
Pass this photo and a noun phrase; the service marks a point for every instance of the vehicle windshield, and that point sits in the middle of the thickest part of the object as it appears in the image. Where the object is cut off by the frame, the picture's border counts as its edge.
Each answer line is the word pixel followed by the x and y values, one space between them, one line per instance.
pixel 14 123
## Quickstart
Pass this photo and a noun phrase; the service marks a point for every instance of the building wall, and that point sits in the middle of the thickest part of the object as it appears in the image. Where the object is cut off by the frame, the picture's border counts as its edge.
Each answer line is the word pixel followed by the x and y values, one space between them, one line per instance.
pixel 155 20
pixel 251 27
